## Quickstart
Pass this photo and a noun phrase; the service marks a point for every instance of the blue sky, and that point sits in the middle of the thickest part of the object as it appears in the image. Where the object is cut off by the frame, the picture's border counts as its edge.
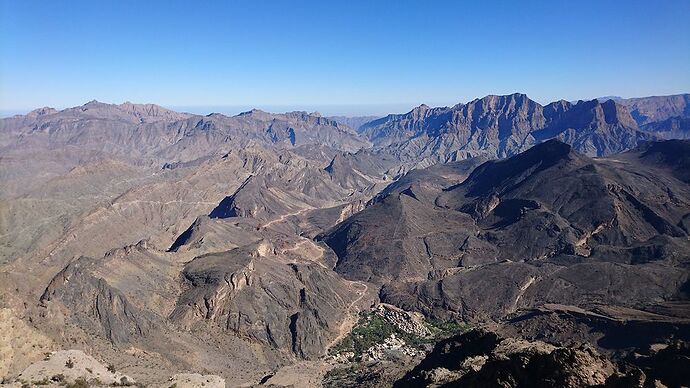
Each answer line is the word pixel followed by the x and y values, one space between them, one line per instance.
pixel 340 56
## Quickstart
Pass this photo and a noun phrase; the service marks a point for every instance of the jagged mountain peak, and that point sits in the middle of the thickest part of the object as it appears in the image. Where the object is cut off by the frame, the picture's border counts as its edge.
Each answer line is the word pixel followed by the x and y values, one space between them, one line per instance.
pixel 127 110
pixel 494 100
pixel 504 104
pixel 151 111
pixel 616 112
pixel 257 114
pixel 560 104
pixel 513 96
pixel 503 125
pixel 602 113
pixel 305 115
pixel 421 111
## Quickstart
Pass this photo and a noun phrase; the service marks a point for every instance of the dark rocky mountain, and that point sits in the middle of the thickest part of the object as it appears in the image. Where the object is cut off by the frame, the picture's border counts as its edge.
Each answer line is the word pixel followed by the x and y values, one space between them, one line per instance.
pixel 296 307
pixel 399 127
pixel 402 229
pixel 500 126
pixel 484 359
pixel 600 231
pixel 671 155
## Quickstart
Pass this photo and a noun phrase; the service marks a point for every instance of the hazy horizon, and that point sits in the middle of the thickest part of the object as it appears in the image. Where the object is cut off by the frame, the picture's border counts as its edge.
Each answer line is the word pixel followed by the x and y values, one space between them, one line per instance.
pixel 347 110
pixel 311 54
pixel 350 110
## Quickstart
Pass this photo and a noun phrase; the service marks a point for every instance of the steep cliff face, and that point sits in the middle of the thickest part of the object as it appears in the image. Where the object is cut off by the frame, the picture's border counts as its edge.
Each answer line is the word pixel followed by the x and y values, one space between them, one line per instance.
pixel 97 306
pixel 593 128
pixel 501 126
pixel 400 127
pixel 251 293
pixel 496 124
pixel 503 123
pixel 646 110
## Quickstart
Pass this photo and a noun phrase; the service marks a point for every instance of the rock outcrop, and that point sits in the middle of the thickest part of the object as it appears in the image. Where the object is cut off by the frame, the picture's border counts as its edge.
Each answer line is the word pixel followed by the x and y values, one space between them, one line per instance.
pixel 480 359
pixel 249 292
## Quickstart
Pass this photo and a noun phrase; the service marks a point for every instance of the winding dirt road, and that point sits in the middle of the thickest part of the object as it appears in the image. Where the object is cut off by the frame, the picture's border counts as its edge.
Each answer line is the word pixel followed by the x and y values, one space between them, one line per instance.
pixel 352 316
pixel 284 216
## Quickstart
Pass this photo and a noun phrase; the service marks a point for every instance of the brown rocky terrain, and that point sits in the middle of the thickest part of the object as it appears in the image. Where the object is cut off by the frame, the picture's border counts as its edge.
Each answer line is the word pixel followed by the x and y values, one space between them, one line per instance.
pixel 102 229
pixel 194 249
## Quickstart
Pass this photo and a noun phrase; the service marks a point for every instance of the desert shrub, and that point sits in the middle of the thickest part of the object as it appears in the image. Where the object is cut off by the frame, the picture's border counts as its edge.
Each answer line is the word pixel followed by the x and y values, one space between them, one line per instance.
pixel 59 378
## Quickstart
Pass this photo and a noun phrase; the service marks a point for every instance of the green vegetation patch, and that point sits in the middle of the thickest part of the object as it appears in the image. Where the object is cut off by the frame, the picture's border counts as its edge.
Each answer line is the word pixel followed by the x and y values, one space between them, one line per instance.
pixel 444 329
pixel 372 329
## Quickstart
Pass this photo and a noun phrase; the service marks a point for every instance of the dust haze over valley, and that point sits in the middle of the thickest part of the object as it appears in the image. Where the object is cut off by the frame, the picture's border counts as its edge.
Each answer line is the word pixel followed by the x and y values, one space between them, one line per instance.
pixel 507 239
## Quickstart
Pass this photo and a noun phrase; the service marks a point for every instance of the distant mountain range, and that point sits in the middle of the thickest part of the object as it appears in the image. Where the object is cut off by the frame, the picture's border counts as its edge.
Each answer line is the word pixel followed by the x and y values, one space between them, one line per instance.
pixel 493 126
pixel 501 126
